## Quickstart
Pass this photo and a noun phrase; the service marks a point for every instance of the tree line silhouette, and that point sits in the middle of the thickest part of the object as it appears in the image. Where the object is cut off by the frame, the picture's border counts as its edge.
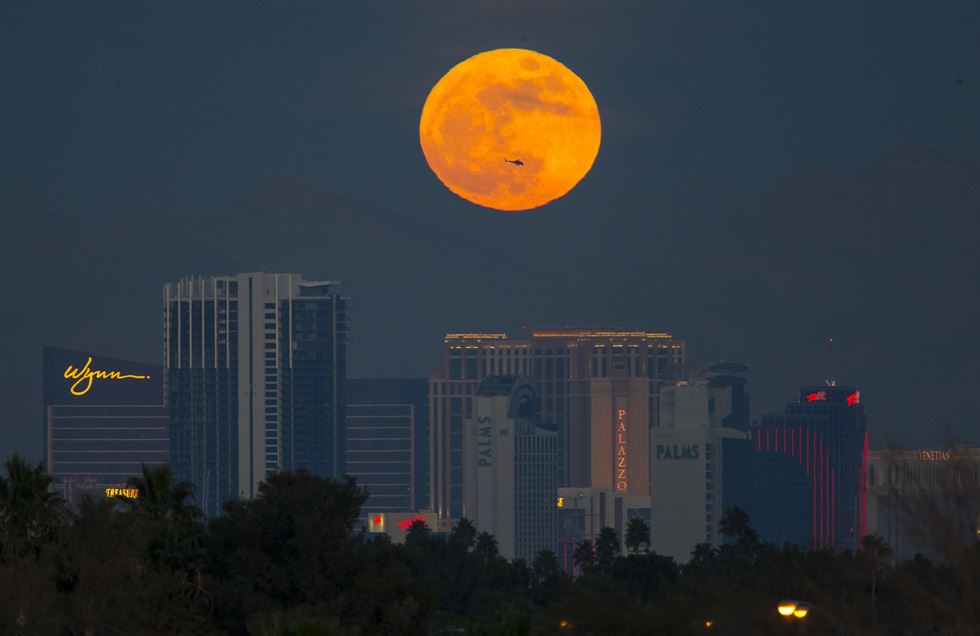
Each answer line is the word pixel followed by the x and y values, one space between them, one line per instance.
pixel 290 562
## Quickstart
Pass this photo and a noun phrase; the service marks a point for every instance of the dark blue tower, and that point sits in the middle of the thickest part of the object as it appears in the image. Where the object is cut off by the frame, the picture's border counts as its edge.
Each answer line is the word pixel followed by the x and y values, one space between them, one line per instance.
pixel 809 470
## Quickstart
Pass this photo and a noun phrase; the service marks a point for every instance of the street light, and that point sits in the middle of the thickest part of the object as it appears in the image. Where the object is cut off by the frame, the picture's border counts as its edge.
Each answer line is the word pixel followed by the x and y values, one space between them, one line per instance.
pixel 787 608
pixel 799 610
pixel 796 609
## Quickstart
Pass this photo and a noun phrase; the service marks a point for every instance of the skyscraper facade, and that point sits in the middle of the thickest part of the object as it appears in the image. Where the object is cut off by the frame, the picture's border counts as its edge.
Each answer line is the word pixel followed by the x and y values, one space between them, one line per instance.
pixel 387 442
pixel 103 419
pixel 583 378
pixel 255 367
pixel 809 470
pixel 701 457
pixel 510 472
pixel 921 501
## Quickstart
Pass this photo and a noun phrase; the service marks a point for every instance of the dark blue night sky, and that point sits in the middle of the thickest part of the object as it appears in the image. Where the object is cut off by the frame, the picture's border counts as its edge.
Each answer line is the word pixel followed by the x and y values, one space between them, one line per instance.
pixel 770 174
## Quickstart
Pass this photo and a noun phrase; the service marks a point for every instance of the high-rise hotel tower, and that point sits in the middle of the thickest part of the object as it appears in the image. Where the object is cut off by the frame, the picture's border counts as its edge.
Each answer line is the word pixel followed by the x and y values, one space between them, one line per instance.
pixel 600 387
pixel 700 457
pixel 510 471
pixel 809 470
pixel 255 367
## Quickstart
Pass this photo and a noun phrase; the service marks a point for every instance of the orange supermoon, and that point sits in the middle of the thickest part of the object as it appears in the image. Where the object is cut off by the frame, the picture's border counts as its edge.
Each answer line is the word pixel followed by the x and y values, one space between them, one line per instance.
pixel 513 105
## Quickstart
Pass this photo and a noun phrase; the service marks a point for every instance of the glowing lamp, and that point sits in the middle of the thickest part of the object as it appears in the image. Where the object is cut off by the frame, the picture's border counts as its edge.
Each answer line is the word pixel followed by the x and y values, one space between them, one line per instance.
pixel 801 612
pixel 787 608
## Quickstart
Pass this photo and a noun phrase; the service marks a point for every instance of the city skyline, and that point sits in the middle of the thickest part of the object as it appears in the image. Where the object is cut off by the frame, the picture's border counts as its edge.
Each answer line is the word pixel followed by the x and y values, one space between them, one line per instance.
pixel 499 317
pixel 754 164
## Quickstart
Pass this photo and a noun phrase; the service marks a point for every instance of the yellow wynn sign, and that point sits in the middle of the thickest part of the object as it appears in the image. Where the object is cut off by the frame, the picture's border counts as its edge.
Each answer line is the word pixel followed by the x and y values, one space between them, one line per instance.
pixel 84 376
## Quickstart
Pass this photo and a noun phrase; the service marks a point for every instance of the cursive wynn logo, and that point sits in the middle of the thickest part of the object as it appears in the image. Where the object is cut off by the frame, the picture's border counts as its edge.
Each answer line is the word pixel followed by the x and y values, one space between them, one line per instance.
pixel 84 376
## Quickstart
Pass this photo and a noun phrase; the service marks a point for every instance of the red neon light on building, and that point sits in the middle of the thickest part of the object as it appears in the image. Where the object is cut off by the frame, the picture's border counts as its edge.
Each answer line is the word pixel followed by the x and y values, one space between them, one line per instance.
pixel 821 498
pixel 407 523
pixel 833 503
pixel 854 398
pixel 377 521
pixel 819 396
pixel 816 460
pixel 813 450
pixel 807 451
pixel 863 499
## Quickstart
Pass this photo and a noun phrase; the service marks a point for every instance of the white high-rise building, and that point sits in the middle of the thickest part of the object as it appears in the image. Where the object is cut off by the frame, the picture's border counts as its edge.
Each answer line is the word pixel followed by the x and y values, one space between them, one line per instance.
pixel 255 368
pixel 700 458
pixel 510 470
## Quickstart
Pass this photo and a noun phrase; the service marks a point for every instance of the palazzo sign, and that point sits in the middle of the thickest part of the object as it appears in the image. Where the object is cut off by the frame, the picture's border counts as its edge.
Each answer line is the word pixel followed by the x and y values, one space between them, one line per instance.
pixel 622 479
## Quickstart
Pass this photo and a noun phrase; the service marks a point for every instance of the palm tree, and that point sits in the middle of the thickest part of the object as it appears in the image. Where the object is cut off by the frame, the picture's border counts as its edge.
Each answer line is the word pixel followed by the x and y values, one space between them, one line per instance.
pixel 637 534
pixel 704 558
pixel 547 578
pixel 875 550
pixel 606 547
pixel 167 513
pixel 486 545
pixel 30 513
pixel 545 564
pixel 584 555
pixel 735 524
pixel 418 533
pixel 158 497
pixel 464 533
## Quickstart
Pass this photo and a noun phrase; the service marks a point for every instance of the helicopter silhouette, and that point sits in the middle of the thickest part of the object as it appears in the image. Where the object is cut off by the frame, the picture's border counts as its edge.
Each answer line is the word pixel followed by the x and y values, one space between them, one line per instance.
pixel 516 162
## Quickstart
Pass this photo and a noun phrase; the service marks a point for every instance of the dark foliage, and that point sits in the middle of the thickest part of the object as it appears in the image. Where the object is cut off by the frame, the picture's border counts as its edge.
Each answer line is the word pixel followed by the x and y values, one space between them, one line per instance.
pixel 290 562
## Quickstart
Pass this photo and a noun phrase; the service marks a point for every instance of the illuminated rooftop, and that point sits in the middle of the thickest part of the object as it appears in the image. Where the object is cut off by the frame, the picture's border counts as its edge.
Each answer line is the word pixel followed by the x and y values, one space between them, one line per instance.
pixel 598 333
pixel 476 336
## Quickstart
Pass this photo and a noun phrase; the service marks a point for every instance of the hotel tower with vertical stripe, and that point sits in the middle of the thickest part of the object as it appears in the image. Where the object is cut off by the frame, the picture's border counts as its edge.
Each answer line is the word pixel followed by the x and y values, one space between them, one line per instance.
pixel 255 368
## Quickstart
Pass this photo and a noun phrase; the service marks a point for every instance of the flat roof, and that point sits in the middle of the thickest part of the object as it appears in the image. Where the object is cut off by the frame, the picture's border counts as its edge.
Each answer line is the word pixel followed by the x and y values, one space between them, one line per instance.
pixel 597 333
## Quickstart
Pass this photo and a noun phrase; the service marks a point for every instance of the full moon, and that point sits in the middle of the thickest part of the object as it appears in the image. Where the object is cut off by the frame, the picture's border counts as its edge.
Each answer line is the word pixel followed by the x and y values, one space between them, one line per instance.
pixel 510 129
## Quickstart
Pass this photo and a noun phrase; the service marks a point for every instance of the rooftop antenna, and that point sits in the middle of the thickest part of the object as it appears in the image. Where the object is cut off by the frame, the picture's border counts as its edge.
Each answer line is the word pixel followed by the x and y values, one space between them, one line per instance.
pixel 831 380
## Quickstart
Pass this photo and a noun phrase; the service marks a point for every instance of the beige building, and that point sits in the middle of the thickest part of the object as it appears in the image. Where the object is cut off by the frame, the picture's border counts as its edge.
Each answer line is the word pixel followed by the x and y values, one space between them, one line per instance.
pixel 582 377
pixel 620 432
pixel 917 497
pixel 700 458
pixel 510 477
